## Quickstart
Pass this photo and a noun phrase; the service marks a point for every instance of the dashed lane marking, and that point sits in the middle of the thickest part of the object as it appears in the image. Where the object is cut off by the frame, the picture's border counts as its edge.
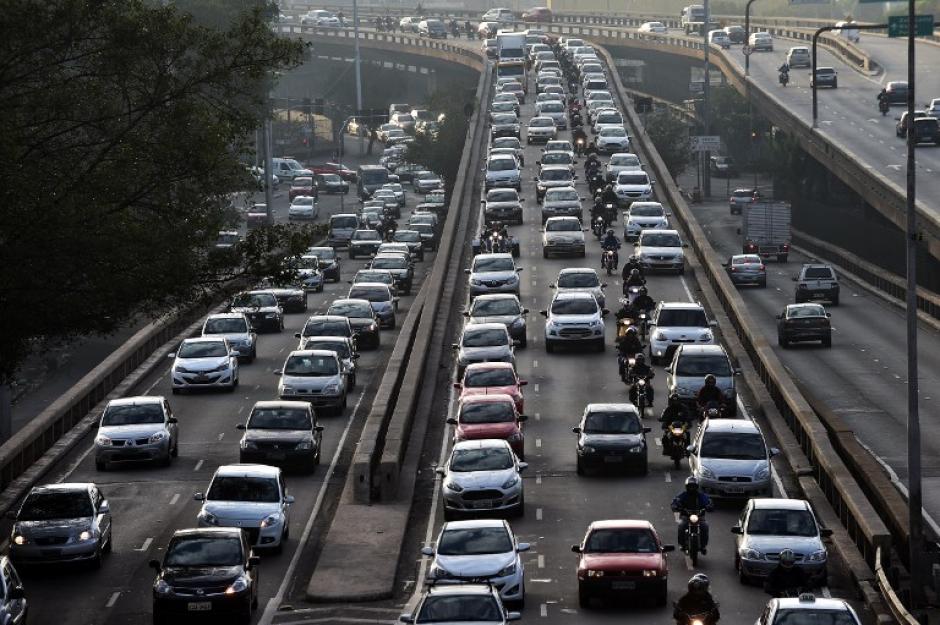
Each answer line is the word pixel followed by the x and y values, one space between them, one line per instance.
pixel 174 499
pixel 541 561
pixel 538 514
pixel 198 465
pixel 112 599
pixel 146 545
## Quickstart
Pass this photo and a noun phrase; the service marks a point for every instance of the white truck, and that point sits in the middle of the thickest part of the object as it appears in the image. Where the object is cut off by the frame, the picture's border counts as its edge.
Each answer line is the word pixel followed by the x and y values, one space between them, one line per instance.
pixel 692 18
pixel 765 227
pixel 510 46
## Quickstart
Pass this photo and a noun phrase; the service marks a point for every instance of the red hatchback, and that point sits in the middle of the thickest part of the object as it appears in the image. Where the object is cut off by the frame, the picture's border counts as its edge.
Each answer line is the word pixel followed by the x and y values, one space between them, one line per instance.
pixel 489 416
pixel 302 185
pixel 620 558
pixel 492 378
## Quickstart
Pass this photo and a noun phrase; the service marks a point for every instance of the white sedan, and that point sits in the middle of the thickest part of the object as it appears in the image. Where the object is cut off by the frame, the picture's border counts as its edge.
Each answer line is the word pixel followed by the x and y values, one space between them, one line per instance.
pixel 302 207
pixel 653 27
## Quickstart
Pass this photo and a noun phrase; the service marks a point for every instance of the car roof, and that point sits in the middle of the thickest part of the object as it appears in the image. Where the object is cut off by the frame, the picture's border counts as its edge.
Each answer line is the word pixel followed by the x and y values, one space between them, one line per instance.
pixel 313 352
pixel 556 191
pixel 564 168
pixel 486 326
pixel 228 315
pixel 248 470
pixel 274 403
pixel 817 603
pixel 62 487
pixel 489 366
pixel 482 443
pixel 493 398
pixel 779 503
pixel 568 270
pixel 494 255
pixel 472 524
pixel 702 350
pixel 137 400
pixel 732 425
pixel 460 589
pixel 203 339
pixel 374 285
pixel 354 300
pixel 804 305
pixel 610 407
pixel 325 318
pixel 621 524
pixel 563 295
pixel 816 266
pixel 495 296
pixel 682 305
pixel 208 532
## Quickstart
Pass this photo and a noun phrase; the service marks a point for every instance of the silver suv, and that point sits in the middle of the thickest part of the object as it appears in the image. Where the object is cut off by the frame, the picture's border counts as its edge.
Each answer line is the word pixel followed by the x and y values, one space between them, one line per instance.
pixel 315 376
pixel 817 281
pixel 344 347
pixel 237 330
pixel 493 273
pixel 691 363
pixel 135 429
pixel 574 318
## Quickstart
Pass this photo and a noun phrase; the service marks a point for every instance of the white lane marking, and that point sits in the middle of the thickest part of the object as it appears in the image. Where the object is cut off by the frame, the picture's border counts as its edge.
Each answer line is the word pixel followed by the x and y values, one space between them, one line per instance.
pixel 541 561
pixel 535 387
pixel 174 499
pixel 221 435
pixel 198 465
pixel 112 599
pixel 538 514
pixel 543 610
pixel 658 441
pixel 146 545
pixel 538 442
pixel 241 409
pixel 152 386
pixel 668 477
pixel 270 609
pixel 538 416
pixel 535 363
pixel 538 478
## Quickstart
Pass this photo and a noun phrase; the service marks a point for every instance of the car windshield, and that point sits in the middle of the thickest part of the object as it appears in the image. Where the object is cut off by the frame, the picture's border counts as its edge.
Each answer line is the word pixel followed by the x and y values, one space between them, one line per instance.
pixel 326 328
pixel 331 178
pixel 552 106
pixel 507 142
pixel 475 337
pixel 682 318
pixel 803 616
pixel 311 366
pixel 254 300
pixel 339 346
pixel 579 306
pixel 474 541
pixel 502 196
pixel 556 174
pixel 801 312
pixel 624 161
pixel 372 294
pixel 661 239
pixel 609 118
pixel 616 540
pixel 351 309
pixel 558 146
pixel 646 211
pixel 611 422
pixel 192 551
pixel 407 236
pixel 488 412
pixel 703 365
pixel 302 182
pixel 564 195
pixel 307 262
pixel 557 158
pixel 344 222
pixel 613 131
pixel 489 377
pixel 279 419
pixel 733 446
pixel 781 522
pixel 454 608
pixel 225 325
pixel 327 254
pixel 389 263
pixel 503 118
pixel 494 307
pixel 501 164
pixel 750 259
pixel 578 279
pixel 502 107
pixel 542 122
pixel 366 235
pixel 485 459
pixel 244 488
pixel 563 225
pixel 303 200
pixel 818 273
pixel 49 506
pixel 493 264
pixel 127 415
pixel 203 350
pixel 633 179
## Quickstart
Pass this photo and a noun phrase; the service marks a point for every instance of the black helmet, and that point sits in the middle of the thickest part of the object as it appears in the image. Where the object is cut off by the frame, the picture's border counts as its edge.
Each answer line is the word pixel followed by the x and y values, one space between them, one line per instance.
pixel 643 290
pixel 631 330
pixel 787 558
pixel 699 583
pixel 634 273
pixel 674 398
pixel 610 231
pixel 691 484
pixel 609 187
pixel 710 380
pixel 640 358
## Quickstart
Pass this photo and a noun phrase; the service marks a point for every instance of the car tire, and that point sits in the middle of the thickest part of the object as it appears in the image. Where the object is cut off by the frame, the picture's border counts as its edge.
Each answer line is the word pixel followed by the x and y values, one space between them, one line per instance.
pixel 584 599
pixel 549 346
pixel 252 355
pixel 352 383
pixel 763 284
pixel 524 341
pixel 782 341
pixel 95 563
pixel 662 597
pixel 109 546
pixel 827 341
pixel 168 459
pixel 175 451
pixel 544 253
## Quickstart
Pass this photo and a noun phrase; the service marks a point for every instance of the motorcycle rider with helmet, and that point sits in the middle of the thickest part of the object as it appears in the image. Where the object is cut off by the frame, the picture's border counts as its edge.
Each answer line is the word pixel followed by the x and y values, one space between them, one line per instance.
pixel 698 600
pixel 634 278
pixel 674 411
pixel 709 392
pixel 628 346
pixel 611 242
pixel 632 263
pixel 643 301
pixel 610 196
pixel 786 578
pixel 690 501
pixel 578 135
pixel 784 71
pixel 642 370
pixel 592 161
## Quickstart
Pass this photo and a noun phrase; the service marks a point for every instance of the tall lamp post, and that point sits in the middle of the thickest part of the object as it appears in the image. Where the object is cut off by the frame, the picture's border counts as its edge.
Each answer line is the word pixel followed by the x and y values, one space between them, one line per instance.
pixel 357 68
pixel 747 37
pixel 706 115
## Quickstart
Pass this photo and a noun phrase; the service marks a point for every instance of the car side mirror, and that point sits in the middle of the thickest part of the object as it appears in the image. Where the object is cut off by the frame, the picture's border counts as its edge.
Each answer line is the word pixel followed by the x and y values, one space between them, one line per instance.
pixel 647 430
pixel 289 499
pixel 296 335
pixel 466 271
pixel 825 532
pixel 538 162
pixel 172 420
pixel 406 618
pixel 603 285
pixel 451 420
pixel 712 323
pixel 794 278
pixel 544 313
pixel 104 508
pixel 829 315
pixel 519 269
pixel 454 346
pixel 736 529
pixel 155 565
pixel 318 428
pixel 199 497
pixel 171 355
pixel 523 382
pixel 253 561
pixel 774 451
pixel 523 466
pixel 440 471
pixel 779 316
pixel 356 356
pixel 523 547
pixel 525 311
pixel 277 372
pixel 576 430
pixel 576 548
pixel 668 548
pixel 513 616
pixel 428 551
pixel 17 592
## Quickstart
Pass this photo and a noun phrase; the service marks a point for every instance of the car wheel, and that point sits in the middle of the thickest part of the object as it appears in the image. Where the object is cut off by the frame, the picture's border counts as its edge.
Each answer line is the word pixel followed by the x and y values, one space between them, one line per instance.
pixel 101 465
pixel 549 346
pixel 109 546
pixel 584 599
pixel 95 562
pixel 352 382
pixel 827 341
pixel 544 253
pixel 253 354
pixel 166 460
pixel 782 341
pixel 524 341
pixel 176 449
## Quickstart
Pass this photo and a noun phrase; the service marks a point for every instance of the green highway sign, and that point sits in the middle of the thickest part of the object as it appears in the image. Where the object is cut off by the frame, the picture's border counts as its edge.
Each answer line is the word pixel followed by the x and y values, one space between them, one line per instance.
pixel 897 25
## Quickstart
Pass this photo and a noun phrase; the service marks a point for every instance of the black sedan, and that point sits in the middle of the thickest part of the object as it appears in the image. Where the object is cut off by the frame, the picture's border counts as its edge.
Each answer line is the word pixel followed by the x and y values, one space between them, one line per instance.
pixel 897 92
pixel 611 436
pixel 504 125
pixel 804 322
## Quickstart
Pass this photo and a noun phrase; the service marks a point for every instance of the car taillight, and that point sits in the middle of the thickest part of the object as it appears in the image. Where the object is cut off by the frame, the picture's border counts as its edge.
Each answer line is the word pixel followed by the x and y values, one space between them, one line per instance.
pixel 731 199
pixel 786 247
pixel 734 269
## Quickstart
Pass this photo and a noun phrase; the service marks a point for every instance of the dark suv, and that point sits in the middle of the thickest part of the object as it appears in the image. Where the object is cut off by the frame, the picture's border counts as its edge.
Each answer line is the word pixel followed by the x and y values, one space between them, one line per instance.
pixel 927 130
pixel 817 281
pixel 209 570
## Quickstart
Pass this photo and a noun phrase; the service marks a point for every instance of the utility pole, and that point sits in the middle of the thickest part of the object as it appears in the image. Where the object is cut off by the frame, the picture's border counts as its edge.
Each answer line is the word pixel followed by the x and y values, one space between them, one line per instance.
pixel 747 37
pixel 358 70
pixel 268 172
pixel 706 116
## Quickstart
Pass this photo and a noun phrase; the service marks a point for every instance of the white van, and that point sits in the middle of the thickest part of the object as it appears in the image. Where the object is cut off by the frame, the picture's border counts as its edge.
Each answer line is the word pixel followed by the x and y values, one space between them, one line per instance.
pixel 846 31
pixel 289 168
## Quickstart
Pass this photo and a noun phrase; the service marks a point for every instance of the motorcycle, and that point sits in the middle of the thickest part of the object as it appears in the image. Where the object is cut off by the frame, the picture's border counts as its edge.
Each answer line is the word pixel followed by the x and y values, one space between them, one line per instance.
pixel 631 292
pixel 599 226
pixel 610 213
pixel 713 410
pixel 609 261
pixel 641 392
pixel 595 180
pixel 784 78
pixel 676 442
pixel 705 618
pixel 883 106
pixel 693 535
pixel 579 144
pixel 643 325
pixel 634 263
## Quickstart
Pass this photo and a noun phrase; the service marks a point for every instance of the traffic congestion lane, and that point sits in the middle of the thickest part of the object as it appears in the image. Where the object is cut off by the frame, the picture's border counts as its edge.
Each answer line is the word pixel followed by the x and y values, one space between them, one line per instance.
pixel 149 503
pixel 863 377
pixel 559 503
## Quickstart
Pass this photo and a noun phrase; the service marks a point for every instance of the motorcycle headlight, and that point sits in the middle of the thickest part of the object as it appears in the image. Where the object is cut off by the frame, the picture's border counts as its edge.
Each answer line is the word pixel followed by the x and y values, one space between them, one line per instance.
pixel 751 554
pixel 239 585
pixel 509 569
pixel 707 473
pixel 208 518
pixel 156 437
pixel 162 588
pixel 817 556
pixel 678 432
pixel 102 440
pixel 512 481
pixel 271 520
pixel 454 486
pixel 693 518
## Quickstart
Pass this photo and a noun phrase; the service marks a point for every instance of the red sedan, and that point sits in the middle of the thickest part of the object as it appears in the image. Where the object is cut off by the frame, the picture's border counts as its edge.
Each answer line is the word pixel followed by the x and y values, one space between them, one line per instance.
pixel 344 172
pixel 489 378
pixel 489 416
pixel 619 558
pixel 538 14
pixel 301 185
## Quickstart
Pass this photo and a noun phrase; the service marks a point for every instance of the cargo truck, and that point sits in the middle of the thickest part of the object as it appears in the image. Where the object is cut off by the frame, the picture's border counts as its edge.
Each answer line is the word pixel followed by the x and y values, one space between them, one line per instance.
pixel 766 229
pixel 510 47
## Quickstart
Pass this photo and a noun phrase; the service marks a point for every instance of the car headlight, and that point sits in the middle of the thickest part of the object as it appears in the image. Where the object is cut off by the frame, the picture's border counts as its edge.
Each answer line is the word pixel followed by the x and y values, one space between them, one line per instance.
pixel 595 573
pixel 271 315
pixel 589 450
pixel 705 336
pixel 476 281
pixel 660 336
pixel 271 520
pixel 517 322
pixel 239 585
pixel 706 472
pixel 208 517
pixel 817 556
pixel 156 437
pixel 751 554
pixel 636 450
pixel 221 367
pixel 513 279
pixel 19 539
pixel 86 536
pixel 102 440
pixel 762 474
pixel 372 327
pixel 512 481
pixel 162 588
pixel 509 569
pixel 331 389
pixel 454 486
pixel 650 573
pixel 246 444
pixel 181 369
pixel 308 444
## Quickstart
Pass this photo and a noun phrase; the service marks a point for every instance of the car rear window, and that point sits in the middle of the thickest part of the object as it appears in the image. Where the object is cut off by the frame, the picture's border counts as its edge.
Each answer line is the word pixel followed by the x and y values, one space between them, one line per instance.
pixel 818 273
pixel 495 412
pixel 489 377
pixel 686 318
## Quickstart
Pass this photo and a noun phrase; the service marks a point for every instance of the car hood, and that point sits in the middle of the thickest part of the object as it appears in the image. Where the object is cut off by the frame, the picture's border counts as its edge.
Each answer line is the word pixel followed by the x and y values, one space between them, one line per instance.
pixel 134 430
pixel 633 188
pixel 621 561
pixel 562 204
pixel 485 565
pixel 493 275
pixel 484 353
pixel 238 337
pixel 486 430
pixel 504 319
pixel 288 436
pixel 724 467
pixel 241 510
pixel 571 237
pixel 492 205
pixel 254 309
pixel 612 441
pixel 664 251
pixel 799 544
pixel 481 479
pixel 555 183
pixel 197 576
pixel 573 319
pixel 52 526
pixel 202 364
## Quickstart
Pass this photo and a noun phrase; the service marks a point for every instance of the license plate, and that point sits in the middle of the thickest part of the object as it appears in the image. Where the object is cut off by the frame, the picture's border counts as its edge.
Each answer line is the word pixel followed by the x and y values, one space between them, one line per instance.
pixel 277 455
pixel 612 459
pixel 202 378
pixel 199 606
pixel 623 585
pixel 735 490
pixel 482 505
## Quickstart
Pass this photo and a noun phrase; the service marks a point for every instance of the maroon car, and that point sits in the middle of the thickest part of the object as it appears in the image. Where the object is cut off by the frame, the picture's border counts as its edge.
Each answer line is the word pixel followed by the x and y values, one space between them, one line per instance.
pixel 344 172
pixel 302 185
pixel 489 416
pixel 620 558
pixel 538 14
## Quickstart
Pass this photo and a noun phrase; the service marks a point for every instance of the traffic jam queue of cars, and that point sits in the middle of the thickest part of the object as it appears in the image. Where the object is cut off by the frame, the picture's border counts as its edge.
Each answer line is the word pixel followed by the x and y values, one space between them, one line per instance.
pixel 245 508
pixel 476 567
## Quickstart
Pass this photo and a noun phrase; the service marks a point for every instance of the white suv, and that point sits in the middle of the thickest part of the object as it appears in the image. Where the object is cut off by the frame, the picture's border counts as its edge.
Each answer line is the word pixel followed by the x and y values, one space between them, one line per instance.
pixel 574 318
pixel 677 323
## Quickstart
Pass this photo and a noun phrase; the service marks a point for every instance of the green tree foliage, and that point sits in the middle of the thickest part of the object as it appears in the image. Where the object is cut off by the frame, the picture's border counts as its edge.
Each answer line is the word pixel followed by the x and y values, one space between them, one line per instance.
pixel 668 133
pixel 121 127
pixel 441 154
pixel 731 120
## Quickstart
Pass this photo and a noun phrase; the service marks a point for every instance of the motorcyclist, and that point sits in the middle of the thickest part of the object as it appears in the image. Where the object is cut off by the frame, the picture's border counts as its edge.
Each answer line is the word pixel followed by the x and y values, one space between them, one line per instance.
pixel 379 24
pixel 578 137
pixel 611 242
pixel 690 501
pixel 467 27
pixel 632 263
pixel 592 147
pixel 634 279
pixel 883 104
pixel 591 162
pixel 642 370
pixel 697 601
pixel 610 196
pixel 709 392
pixel 784 71
pixel 643 301
pixel 674 411
pixel 786 578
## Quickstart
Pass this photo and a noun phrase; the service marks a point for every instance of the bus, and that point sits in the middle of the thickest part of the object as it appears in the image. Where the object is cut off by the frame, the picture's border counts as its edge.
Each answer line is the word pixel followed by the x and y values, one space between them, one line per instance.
pixel 369 178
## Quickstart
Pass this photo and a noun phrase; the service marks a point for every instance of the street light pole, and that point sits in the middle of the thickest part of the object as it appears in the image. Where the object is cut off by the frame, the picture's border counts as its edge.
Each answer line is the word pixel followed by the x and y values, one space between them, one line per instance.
pixel 706 117
pixel 816 36
pixel 357 68
pixel 747 37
